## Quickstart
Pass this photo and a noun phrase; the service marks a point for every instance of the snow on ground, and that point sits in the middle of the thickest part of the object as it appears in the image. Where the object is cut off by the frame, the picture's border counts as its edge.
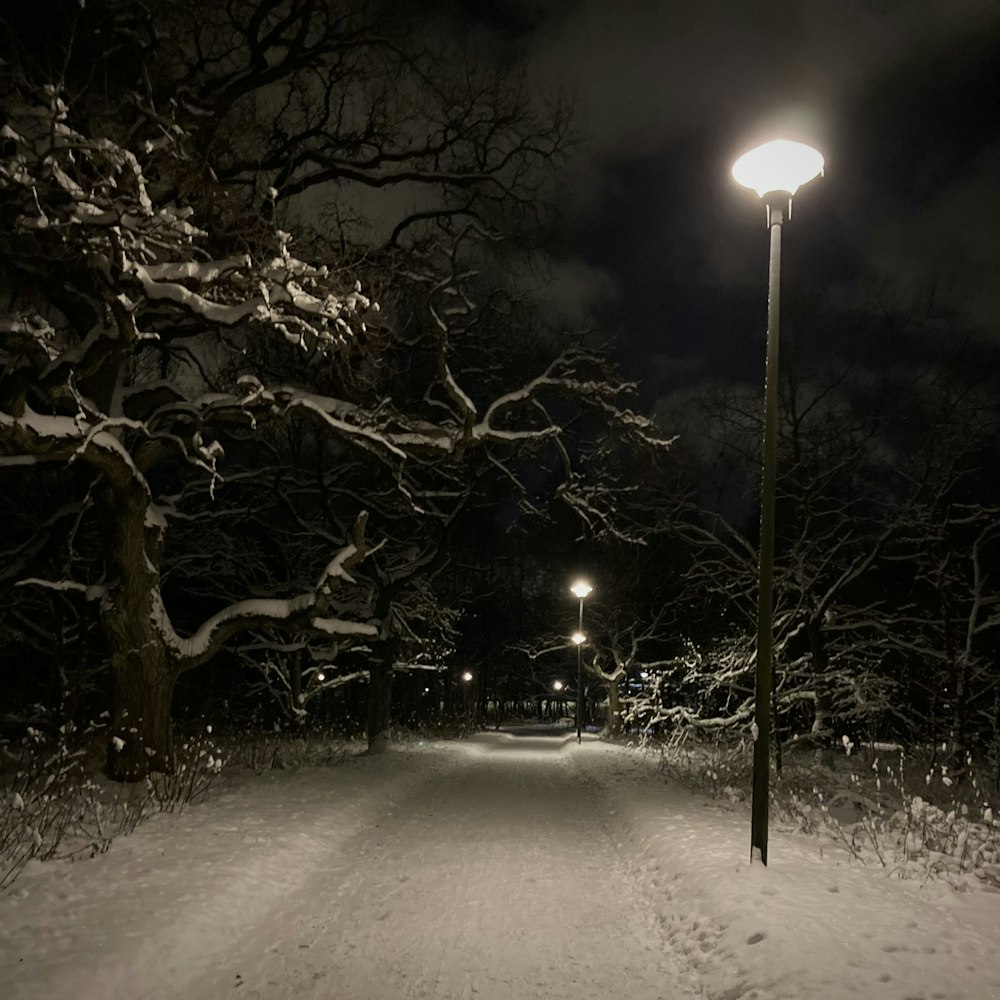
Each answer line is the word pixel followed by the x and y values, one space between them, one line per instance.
pixel 809 925
pixel 513 864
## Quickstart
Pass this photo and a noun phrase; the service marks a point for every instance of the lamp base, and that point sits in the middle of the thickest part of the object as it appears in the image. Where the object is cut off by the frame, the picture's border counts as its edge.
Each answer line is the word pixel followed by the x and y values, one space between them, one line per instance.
pixel 778 205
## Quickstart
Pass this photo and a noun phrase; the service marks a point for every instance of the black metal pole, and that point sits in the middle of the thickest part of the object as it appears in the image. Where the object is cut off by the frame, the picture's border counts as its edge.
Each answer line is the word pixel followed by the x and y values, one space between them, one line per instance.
pixel 579 678
pixel 776 211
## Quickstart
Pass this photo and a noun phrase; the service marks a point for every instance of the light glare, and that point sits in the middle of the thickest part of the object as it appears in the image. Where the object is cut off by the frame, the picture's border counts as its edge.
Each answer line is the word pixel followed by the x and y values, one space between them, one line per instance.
pixel 579 638
pixel 581 589
pixel 781 165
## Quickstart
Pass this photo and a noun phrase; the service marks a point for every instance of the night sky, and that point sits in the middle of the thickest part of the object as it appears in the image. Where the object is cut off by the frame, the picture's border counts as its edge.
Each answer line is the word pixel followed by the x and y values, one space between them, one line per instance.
pixel 903 99
pixel 662 250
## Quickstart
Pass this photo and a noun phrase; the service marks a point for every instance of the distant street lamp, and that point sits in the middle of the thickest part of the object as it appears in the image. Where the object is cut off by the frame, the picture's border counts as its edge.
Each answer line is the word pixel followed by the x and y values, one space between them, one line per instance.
pixel 775 171
pixel 557 685
pixel 467 693
pixel 580 589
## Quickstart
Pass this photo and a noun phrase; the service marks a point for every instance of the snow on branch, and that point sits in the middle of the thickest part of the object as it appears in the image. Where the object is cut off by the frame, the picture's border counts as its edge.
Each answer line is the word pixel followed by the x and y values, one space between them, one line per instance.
pixel 91 592
pixel 306 611
pixel 338 626
pixel 89 198
pixel 434 668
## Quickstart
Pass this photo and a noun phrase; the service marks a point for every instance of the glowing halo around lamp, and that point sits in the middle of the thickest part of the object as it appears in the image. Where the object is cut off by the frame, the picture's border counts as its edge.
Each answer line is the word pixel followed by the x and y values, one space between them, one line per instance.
pixel 579 638
pixel 581 589
pixel 780 165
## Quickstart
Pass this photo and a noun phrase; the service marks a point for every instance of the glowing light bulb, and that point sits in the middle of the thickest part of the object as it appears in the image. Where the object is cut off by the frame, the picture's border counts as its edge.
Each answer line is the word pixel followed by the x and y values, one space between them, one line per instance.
pixel 781 165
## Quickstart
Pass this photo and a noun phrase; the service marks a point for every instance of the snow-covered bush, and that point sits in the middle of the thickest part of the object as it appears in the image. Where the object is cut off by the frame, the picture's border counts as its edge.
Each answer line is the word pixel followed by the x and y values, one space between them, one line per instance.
pixel 897 810
pixel 714 765
pixel 260 749
pixel 198 765
pixel 902 813
pixel 51 806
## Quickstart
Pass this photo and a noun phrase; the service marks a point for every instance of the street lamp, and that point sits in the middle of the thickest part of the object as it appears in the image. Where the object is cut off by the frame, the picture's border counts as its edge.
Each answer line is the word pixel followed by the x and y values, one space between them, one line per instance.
pixel 467 694
pixel 775 171
pixel 557 685
pixel 579 639
pixel 580 590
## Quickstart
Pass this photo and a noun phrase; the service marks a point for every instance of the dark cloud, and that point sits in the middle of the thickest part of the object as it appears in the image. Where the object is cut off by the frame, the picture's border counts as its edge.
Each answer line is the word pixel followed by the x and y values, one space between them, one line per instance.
pixel 902 97
pixel 644 70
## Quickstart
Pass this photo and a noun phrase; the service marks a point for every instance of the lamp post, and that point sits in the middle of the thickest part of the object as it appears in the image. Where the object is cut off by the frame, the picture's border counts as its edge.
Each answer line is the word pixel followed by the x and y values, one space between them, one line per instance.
pixel 579 639
pixel 775 171
pixel 580 589
pixel 467 693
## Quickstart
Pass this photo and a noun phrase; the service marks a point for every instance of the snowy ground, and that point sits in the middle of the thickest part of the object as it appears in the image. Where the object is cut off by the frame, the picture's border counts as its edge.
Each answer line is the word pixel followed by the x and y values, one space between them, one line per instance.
pixel 508 866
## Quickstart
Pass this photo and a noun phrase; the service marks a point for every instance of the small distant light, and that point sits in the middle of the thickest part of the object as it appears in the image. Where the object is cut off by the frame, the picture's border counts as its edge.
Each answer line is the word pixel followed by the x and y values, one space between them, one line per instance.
pixel 466 676
pixel 557 685
pixel 579 638
pixel 581 589
pixel 321 676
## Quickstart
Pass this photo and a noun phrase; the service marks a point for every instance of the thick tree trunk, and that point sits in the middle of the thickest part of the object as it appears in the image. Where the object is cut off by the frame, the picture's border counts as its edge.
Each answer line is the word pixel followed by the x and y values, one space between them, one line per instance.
pixel 144 671
pixel 143 667
pixel 141 734
pixel 144 674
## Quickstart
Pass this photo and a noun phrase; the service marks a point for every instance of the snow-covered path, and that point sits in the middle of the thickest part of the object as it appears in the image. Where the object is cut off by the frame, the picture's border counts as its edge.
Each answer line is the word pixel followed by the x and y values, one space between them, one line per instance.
pixel 494 880
pixel 507 866
pixel 486 873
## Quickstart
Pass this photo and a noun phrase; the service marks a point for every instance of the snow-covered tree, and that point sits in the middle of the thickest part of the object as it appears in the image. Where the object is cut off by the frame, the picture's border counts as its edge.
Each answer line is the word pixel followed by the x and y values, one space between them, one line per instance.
pixel 835 515
pixel 98 267
pixel 127 336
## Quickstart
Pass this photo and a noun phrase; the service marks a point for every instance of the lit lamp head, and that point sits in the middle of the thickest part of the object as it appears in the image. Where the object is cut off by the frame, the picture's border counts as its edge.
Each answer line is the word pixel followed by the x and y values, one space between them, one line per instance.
pixel 777 170
pixel 579 638
pixel 557 685
pixel 467 677
pixel 581 589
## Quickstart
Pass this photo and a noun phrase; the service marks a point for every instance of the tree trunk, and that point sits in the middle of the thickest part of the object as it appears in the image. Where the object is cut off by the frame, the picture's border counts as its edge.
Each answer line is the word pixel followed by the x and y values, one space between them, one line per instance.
pixel 959 711
pixel 295 683
pixel 143 666
pixel 379 704
pixel 144 673
pixel 614 710
pixel 822 728
pixel 141 733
